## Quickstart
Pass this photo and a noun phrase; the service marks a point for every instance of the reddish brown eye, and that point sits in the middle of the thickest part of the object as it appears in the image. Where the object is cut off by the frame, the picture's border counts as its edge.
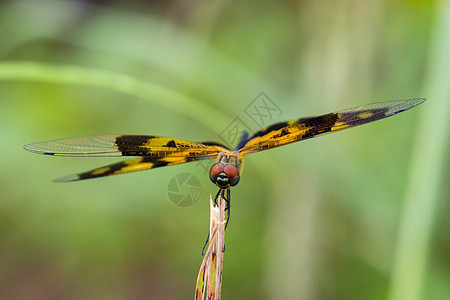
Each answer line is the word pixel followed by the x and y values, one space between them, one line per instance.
pixel 231 170
pixel 216 169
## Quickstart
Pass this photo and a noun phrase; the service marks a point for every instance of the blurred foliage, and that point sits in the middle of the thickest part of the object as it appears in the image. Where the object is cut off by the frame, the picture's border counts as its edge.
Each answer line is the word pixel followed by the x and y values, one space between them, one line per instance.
pixel 325 219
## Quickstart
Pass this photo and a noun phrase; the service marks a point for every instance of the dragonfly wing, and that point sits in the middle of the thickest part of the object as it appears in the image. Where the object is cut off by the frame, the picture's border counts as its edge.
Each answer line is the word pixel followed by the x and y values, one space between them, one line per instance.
pixel 128 166
pixel 296 130
pixel 153 152
pixel 125 145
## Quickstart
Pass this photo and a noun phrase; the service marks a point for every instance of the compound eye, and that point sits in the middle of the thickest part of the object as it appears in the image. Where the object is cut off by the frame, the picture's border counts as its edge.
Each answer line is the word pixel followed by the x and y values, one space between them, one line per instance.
pixel 231 170
pixel 232 173
pixel 215 170
pixel 233 181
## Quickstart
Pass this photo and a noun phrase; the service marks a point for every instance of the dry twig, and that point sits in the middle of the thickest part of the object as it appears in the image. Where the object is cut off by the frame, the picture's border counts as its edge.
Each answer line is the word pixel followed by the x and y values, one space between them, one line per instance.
pixel 209 278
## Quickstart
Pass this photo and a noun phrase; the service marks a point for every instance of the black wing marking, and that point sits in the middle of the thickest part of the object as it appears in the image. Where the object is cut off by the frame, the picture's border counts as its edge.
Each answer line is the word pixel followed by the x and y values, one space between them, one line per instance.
pixel 296 130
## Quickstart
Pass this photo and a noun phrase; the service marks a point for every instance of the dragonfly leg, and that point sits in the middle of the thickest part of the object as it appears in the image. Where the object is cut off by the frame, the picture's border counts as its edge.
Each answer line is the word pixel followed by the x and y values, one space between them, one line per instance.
pixel 217 196
pixel 206 243
pixel 228 200
pixel 220 192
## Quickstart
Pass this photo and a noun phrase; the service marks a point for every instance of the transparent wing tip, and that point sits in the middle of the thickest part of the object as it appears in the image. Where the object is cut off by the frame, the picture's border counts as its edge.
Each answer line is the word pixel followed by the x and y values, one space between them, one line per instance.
pixel 416 101
pixel 77 147
pixel 403 105
pixel 35 148
pixel 68 178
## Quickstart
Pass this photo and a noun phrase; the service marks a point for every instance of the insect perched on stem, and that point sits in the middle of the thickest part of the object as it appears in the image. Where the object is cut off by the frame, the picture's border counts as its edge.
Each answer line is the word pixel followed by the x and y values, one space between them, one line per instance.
pixel 156 151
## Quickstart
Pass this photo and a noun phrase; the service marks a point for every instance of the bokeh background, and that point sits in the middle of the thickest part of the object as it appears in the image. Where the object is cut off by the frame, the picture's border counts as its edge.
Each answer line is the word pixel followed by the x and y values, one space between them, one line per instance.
pixel 359 214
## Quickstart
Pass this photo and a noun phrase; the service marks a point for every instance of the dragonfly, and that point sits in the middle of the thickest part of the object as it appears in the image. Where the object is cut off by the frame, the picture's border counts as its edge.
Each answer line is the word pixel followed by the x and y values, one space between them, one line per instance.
pixel 153 152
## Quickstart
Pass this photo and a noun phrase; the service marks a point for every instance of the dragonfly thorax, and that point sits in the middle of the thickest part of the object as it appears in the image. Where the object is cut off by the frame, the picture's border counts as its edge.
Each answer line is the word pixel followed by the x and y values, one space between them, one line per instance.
pixel 224 175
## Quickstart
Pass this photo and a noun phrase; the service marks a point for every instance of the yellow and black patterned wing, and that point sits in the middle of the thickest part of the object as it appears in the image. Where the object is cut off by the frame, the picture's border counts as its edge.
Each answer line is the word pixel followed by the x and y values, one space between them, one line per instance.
pixel 125 145
pixel 296 130
pixel 154 152
pixel 130 165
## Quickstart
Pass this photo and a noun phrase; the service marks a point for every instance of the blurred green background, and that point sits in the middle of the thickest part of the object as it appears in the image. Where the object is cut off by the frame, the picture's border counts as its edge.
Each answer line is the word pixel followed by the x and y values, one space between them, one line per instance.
pixel 360 214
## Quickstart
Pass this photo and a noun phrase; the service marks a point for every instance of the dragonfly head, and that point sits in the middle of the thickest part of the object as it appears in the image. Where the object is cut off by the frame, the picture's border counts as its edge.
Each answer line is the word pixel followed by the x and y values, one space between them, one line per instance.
pixel 224 175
